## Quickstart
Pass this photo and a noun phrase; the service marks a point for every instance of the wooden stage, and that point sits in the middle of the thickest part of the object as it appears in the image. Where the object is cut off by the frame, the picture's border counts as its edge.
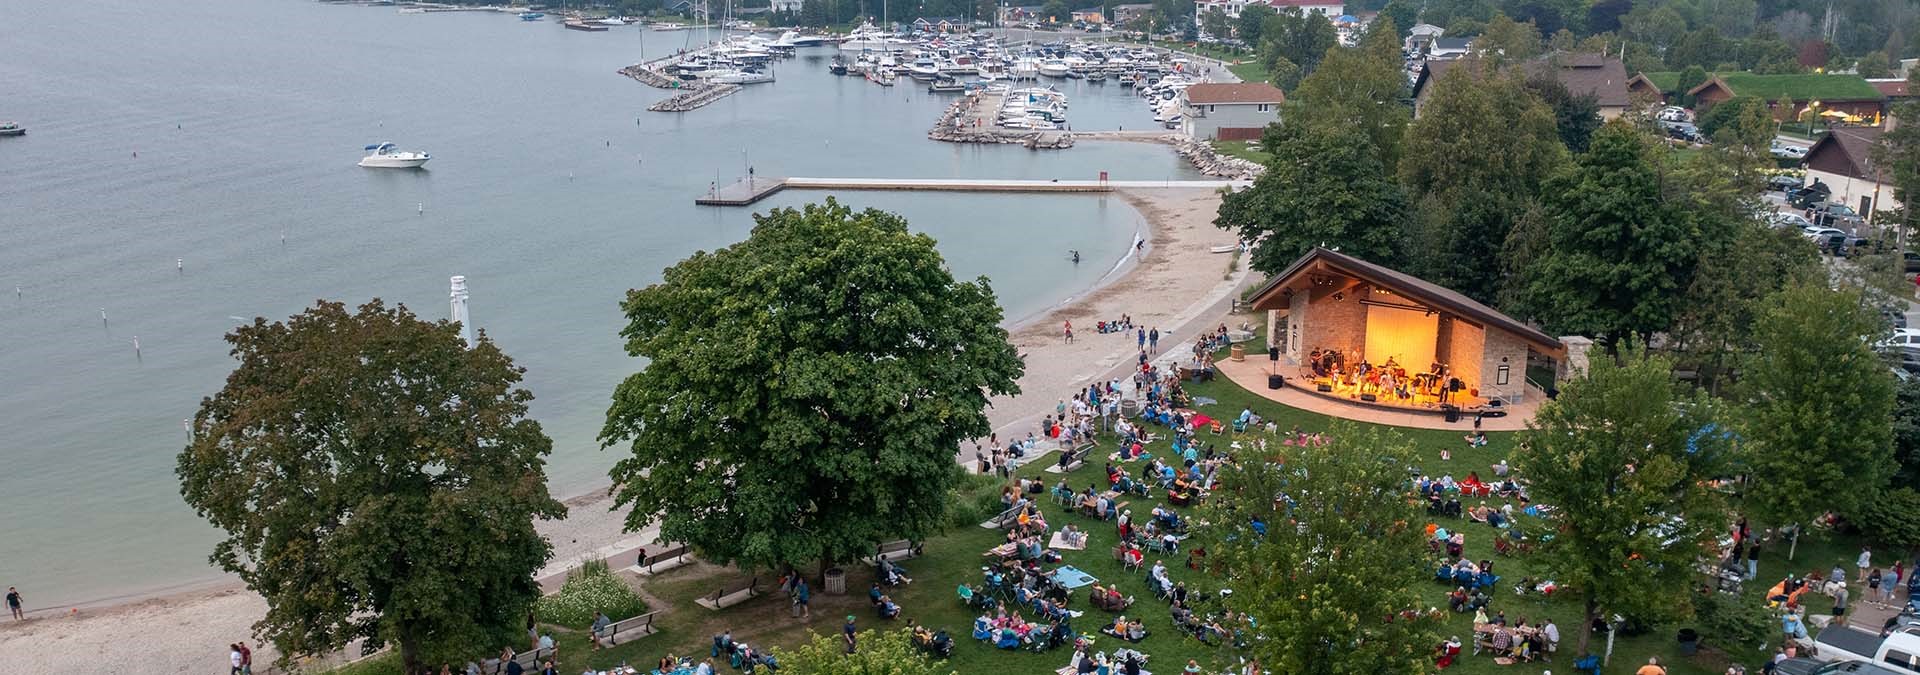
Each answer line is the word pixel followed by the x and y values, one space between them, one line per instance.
pixel 742 193
pixel 1251 375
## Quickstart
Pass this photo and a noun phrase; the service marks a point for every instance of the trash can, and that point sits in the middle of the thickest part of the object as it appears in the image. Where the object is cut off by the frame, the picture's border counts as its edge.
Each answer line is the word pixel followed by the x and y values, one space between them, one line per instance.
pixel 1237 353
pixel 1689 642
pixel 1130 407
pixel 836 582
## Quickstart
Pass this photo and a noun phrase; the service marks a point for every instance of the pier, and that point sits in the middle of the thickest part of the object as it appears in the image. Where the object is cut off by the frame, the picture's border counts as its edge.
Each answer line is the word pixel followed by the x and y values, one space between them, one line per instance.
pixel 743 194
pixel 694 98
pixel 975 119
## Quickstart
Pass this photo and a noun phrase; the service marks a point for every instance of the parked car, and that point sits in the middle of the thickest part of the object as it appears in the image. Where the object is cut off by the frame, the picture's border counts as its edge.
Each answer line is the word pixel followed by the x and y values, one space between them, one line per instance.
pixel 1817 233
pixel 1674 113
pixel 1900 648
pixel 1792 220
pixel 1902 338
pixel 1784 183
pixel 1833 215
pixel 1684 131
pixel 1806 666
pixel 1809 195
pixel 1784 150
pixel 1912 261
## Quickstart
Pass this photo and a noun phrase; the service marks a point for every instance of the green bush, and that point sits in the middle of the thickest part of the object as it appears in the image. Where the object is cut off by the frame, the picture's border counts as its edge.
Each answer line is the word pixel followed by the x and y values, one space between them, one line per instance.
pixel 1891 520
pixel 1736 627
pixel 592 588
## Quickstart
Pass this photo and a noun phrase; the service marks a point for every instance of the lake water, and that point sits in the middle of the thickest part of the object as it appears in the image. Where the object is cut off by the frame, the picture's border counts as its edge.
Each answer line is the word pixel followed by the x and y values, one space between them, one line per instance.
pixel 223 133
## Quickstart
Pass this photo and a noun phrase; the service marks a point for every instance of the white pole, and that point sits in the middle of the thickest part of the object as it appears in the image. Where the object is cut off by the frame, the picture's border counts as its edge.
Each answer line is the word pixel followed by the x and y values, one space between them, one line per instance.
pixel 459 303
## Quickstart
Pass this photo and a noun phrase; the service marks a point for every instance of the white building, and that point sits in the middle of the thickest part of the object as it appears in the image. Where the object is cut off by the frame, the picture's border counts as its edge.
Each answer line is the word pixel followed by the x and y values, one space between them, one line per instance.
pixel 786 5
pixel 1326 8
pixel 1843 161
pixel 1229 112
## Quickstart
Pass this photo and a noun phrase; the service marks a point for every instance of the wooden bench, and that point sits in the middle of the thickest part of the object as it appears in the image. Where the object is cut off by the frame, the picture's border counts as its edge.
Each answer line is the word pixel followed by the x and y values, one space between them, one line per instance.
pixel 1007 517
pixel 1075 459
pixel 628 630
pixel 728 596
pixel 529 661
pixel 668 558
pixel 894 551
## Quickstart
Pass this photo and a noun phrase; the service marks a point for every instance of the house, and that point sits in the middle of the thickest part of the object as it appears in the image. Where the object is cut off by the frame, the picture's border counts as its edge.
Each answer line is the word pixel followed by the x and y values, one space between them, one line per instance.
pixel 1583 74
pixel 1421 36
pixel 942 24
pixel 1350 311
pixel 786 5
pixel 1843 160
pixel 1640 86
pixel 1125 14
pixel 1846 93
pixel 1092 16
pixel 1603 78
pixel 1327 8
pixel 1014 15
pixel 1448 48
pixel 1229 112
pixel 1895 90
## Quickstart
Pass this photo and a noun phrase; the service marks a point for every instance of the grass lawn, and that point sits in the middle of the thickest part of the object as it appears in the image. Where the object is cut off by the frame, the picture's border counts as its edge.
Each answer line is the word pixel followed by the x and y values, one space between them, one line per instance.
pixel 955 558
pixel 1239 149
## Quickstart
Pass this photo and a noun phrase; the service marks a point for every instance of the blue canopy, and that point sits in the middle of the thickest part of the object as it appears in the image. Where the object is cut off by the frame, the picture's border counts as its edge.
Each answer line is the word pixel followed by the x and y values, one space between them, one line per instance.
pixel 378 146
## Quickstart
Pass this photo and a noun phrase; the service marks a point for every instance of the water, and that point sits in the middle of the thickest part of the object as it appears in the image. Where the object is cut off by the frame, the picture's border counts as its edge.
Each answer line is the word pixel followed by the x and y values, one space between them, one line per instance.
pixel 224 132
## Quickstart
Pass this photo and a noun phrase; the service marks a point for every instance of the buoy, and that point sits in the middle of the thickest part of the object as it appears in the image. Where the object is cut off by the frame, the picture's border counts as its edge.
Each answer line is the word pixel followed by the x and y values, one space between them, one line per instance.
pixel 136 347
pixel 136 153
pixel 16 292
pixel 180 264
pixel 103 316
pixel 422 207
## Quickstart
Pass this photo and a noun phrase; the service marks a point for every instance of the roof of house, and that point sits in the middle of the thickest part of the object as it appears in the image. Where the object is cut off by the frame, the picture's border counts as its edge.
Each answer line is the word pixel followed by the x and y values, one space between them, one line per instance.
pixel 1891 88
pixel 1243 92
pixel 1412 288
pixel 1452 42
pixel 1803 87
pixel 1586 74
pixel 1847 149
pixel 1426 29
pixel 1305 3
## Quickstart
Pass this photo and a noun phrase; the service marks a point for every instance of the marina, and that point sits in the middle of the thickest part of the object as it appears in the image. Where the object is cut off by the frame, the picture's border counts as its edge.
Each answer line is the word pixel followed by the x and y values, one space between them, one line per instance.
pixel 747 192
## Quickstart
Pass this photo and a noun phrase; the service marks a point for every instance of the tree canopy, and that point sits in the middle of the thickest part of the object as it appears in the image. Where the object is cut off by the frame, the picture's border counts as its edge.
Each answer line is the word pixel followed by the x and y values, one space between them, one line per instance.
pixel 1820 434
pixel 1624 458
pixel 1323 187
pixel 1336 548
pixel 1358 88
pixel 1621 249
pixel 376 479
pixel 806 391
pixel 880 653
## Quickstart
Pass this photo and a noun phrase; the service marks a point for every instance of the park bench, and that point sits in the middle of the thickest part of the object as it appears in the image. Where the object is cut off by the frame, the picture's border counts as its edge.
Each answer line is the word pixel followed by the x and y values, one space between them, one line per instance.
pixel 1007 517
pixel 1073 459
pixel 728 596
pixel 668 558
pixel 628 630
pixel 529 661
pixel 895 551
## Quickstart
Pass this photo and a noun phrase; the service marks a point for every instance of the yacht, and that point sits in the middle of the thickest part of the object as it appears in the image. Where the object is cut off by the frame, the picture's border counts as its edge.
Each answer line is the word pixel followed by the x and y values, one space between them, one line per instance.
pixel 531 16
pixel 923 69
pixel 742 77
pixel 1054 68
pixel 610 21
pixel 666 25
pixel 838 66
pixel 389 156
pixel 12 129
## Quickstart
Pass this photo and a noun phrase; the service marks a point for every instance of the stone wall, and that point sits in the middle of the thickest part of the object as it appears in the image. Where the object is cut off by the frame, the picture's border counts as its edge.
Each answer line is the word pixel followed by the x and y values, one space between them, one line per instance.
pixel 1206 161
pixel 1336 324
pixel 1503 348
pixel 1466 344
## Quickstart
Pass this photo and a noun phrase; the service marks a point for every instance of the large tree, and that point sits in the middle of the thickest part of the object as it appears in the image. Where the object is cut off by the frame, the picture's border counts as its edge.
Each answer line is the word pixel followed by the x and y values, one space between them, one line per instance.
pixel 806 390
pixel 1358 88
pixel 1820 404
pixel 1486 144
pixel 1621 250
pixel 1323 187
pixel 1576 117
pixel 1624 459
pixel 1326 556
pixel 879 653
pixel 1299 38
pixel 376 478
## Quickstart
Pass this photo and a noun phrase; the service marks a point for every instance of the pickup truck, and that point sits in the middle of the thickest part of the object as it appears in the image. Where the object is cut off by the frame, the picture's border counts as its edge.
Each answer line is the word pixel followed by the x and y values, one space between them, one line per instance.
pixel 1899 649
pixel 1805 666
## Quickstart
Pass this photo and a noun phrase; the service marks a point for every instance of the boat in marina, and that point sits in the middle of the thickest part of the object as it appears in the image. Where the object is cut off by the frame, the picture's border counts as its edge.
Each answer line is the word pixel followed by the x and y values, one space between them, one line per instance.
pixel 577 24
pixel 389 156
pixel 531 16
pixel 944 85
pixel 12 129
pixel 923 69
pixel 609 21
pixel 838 66
pixel 882 76
pixel 666 26
pixel 742 77
pixel 1054 68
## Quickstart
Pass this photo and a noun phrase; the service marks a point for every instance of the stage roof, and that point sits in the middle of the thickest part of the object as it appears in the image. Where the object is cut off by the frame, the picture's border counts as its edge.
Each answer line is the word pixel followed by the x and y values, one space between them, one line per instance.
pixel 1418 290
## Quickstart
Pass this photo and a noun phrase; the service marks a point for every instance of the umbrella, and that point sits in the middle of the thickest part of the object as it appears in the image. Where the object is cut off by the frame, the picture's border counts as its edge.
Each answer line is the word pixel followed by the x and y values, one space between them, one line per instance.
pixel 1833 113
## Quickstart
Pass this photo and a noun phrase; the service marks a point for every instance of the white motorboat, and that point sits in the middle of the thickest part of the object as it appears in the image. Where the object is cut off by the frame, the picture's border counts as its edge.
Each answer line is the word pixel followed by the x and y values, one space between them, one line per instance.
pixel 742 77
pixel 610 21
pixel 923 69
pixel 667 25
pixel 1054 68
pixel 389 156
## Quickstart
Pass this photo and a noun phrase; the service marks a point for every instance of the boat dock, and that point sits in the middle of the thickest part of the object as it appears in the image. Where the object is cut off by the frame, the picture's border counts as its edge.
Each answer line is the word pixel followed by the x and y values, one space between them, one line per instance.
pixel 742 193
pixel 694 98
pixel 975 119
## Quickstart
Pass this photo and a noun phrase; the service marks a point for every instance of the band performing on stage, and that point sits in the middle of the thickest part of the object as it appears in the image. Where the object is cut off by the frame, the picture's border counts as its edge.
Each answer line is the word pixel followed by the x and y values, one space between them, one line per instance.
pixel 1390 382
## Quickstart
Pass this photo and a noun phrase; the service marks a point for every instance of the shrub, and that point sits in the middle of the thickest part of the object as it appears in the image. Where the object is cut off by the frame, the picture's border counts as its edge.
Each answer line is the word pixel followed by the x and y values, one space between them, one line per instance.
pixel 592 588
pixel 1735 626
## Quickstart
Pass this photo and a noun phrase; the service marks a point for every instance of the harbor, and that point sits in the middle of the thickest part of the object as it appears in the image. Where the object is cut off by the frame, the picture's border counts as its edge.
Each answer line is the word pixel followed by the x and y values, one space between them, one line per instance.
pixel 752 190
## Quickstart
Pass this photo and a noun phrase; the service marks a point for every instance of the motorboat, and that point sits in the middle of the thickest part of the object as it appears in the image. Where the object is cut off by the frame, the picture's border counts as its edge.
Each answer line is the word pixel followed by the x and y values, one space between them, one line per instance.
pixel 666 26
pixel 577 24
pixel 12 129
pixel 945 84
pixel 532 16
pixel 389 156
pixel 609 21
pixel 923 69
pixel 742 77
pixel 1054 68
pixel 837 66
pixel 799 40
pixel 881 76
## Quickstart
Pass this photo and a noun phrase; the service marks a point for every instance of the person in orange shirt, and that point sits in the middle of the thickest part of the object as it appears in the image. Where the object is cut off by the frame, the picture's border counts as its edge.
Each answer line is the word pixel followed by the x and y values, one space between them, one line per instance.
pixel 1653 667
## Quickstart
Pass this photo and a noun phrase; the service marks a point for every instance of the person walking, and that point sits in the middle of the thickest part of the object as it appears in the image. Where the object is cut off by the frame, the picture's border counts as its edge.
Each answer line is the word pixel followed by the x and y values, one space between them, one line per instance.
pixel 1865 561
pixel 233 658
pixel 846 634
pixel 1140 340
pixel 1840 597
pixel 803 598
pixel 13 604
pixel 1753 561
pixel 246 658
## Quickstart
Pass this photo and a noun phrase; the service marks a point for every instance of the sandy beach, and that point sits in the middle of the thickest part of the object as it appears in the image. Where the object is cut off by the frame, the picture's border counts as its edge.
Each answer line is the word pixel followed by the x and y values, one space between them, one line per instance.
pixel 1175 284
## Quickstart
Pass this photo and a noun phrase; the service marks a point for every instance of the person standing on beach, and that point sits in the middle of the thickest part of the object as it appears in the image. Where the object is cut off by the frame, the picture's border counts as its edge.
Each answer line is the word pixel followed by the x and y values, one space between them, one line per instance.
pixel 233 657
pixel 1153 341
pixel 1141 340
pixel 1069 330
pixel 13 604
pixel 246 658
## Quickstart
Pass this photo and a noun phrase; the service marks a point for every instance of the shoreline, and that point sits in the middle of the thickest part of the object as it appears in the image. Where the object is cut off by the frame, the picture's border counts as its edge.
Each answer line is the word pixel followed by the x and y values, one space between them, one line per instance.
pixel 1175 284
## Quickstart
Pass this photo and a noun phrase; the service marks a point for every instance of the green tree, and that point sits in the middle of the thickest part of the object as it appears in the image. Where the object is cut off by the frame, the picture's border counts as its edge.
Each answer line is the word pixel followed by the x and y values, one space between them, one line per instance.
pixel 1402 13
pixel 376 479
pixel 1625 457
pixel 1284 74
pixel 1898 157
pixel 1337 548
pixel 880 653
pixel 1574 117
pixel 823 372
pixel 1692 77
pixel 1715 325
pixel 1214 22
pixel 1702 48
pixel 1873 65
pixel 1906 432
pixel 1056 10
pixel 1507 41
pixel 1820 404
pixel 1252 22
pixel 1467 186
pixel 1323 187
pixel 1744 119
pixel 1358 88
pixel 1890 519
pixel 1300 38
pixel 1621 251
